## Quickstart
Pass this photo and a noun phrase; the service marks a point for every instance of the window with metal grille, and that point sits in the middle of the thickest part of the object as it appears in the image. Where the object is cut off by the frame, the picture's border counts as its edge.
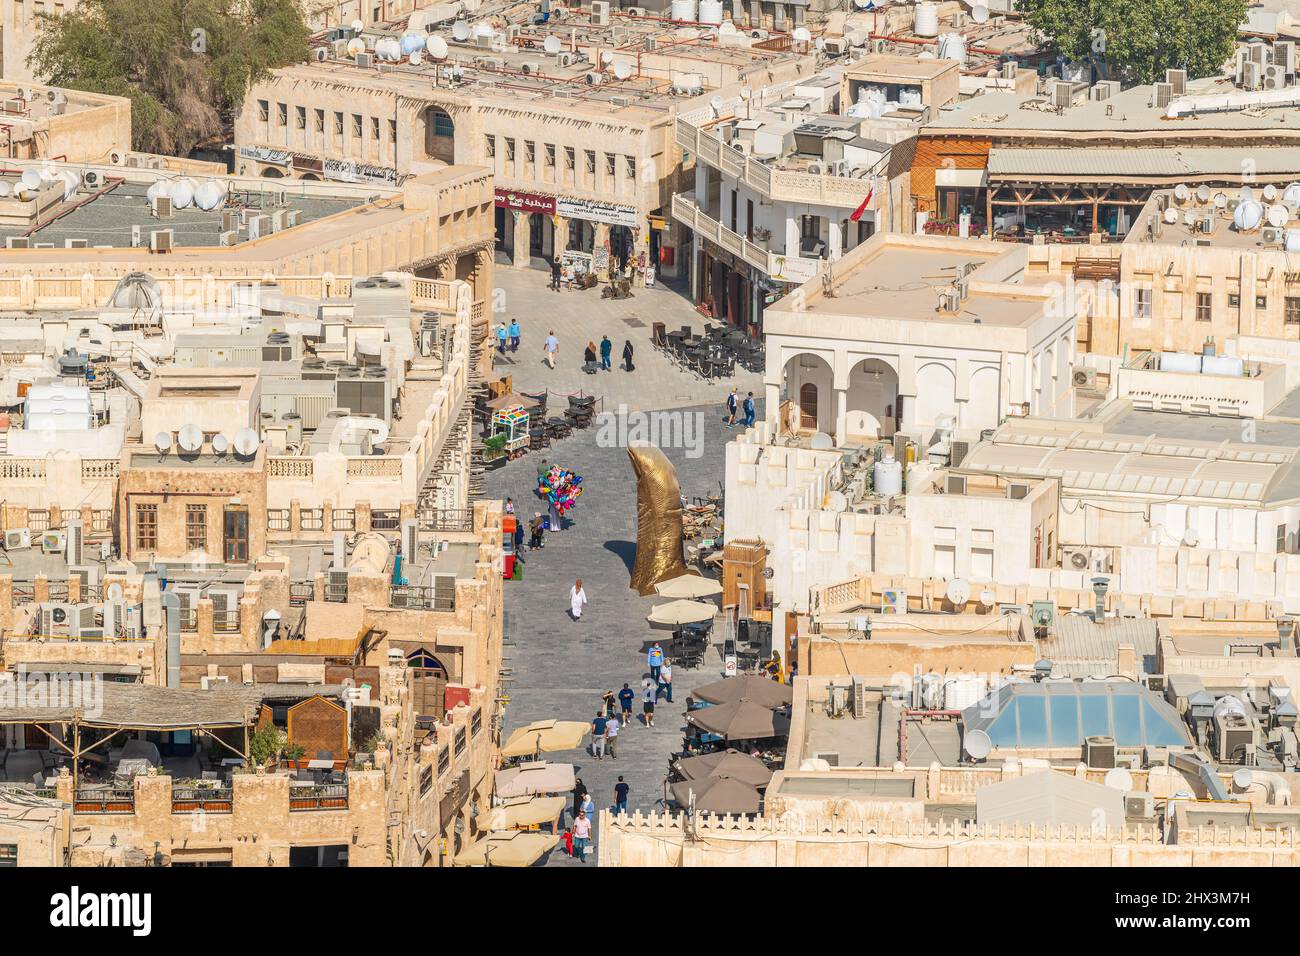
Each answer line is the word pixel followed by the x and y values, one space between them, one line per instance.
pixel 300 117
pixel 38 519
pixel 320 121
pixel 344 519
pixel 374 128
pixel 390 520
pixel 1234 301
pixel 490 145
pixel 568 158
pixel 590 156
pixel 426 780
pixel 101 519
pixel 263 110
pixel 610 164
pixel 277 519
pixel 313 519
pixel 392 131
pixel 631 167
pixel 8 854
pixel 530 151
pixel 1142 303
pixel 510 150
pixel 1203 300
pixel 1261 302
pixel 196 527
pixel 146 527
pixel 1292 310
pixel 338 124
pixel 476 723
pixel 282 114
pixel 444 761
pixel 550 155
pixel 443 125
pixel 460 741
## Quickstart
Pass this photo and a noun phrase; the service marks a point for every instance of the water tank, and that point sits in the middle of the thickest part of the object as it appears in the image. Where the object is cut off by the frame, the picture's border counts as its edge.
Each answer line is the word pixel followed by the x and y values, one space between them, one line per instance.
pixel 952 46
pixel 58 390
pixel 1292 241
pixel 887 475
pixel 183 194
pixel 157 189
pixel 932 691
pixel 927 20
pixel 411 43
pixel 1291 195
pixel 1179 362
pixel 208 195
pixel 909 97
pixel 1222 365
pixel 711 12
pixel 370 553
pixel 1248 216
pixel 683 10
pixel 962 691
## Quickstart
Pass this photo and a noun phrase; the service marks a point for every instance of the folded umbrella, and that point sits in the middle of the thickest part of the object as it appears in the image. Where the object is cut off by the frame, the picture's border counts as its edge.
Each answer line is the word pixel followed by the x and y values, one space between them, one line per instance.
pixel 760 690
pixel 717 795
pixel 678 613
pixel 726 763
pixel 688 586
pixel 740 720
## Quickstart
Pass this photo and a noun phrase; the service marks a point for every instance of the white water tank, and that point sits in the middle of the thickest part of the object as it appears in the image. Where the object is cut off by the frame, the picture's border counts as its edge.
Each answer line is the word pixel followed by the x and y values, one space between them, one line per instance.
pixel 909 96
pixel 887 475
pixel 1179 362
pixel 927 20
pixel 711 12
pixel 183 194
pixel 962 691
pixel 683 10
pixel 952 46
pixel 157 189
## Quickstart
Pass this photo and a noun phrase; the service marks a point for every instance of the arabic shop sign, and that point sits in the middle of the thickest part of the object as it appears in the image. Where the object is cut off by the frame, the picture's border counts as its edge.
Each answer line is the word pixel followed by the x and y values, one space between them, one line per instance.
pixel 595 210
pixel 346 171
pixel 525 202
pixel 264 154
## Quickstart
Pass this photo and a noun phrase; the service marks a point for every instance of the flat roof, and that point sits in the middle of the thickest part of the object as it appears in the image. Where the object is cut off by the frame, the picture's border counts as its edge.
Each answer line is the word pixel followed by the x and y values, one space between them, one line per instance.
pixel 894 67
pixel 1190 163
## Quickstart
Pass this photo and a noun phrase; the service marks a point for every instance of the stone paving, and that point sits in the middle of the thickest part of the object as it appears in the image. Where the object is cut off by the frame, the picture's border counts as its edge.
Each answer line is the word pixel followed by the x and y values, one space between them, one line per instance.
pixel 579 317
pixel 561 667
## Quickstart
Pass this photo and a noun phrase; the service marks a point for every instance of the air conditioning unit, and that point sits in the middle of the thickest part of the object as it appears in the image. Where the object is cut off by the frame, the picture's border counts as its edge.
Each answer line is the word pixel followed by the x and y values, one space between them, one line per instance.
pixel 1164 93
pixel 1076 559
pixel 160 240
pixel 600 13
pixel 162 207
pixel 531 67
pixel 228 237
pixel 1234 738
pixel 444 592
pixel 635 11
pixel 1061 95
pixel 1099 752
pixel 859 697
pixel 1084 378
pixel 365 60
pixel 208 683
pixel 1284 56
pixel 564 59
pixel 57 620
pixel 1177 80
pixel 957 454
pixel 1017 490
pixel 1252 76
pixel 117 158
pixel 18 539
pixel 92 179
pixel 17 242
pixel 320 54
pixel 1271 236
pixel 76 244
pixel 54 542
pixel 1139 806
pixel 836 46
pixel 955 485
pixel 1273 78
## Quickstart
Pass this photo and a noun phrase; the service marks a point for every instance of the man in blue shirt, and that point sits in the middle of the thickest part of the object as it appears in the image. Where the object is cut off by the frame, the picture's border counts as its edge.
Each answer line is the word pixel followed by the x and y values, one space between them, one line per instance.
pixel 606 348
pixel 749 409
pixel 655 660
pixel 620 796
pixel 625 698
pixel 514 335
pixel 598 735
pixel 501 338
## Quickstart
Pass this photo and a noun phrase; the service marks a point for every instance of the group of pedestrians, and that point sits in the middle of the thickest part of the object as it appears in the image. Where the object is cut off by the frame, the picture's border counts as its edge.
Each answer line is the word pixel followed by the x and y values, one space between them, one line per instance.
pixel 551 348
pixel 578 836
pixel 508 337
pixel 734 405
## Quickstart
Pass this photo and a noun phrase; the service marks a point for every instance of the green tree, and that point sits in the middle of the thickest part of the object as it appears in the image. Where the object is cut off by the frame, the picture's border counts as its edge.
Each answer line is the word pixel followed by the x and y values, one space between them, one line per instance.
pixel 185 64
pixel 1135 41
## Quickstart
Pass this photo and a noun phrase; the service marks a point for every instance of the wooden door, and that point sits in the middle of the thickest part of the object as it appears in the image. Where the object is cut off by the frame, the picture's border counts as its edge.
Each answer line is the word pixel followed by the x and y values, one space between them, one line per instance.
pixel 236 535
pixel 808 406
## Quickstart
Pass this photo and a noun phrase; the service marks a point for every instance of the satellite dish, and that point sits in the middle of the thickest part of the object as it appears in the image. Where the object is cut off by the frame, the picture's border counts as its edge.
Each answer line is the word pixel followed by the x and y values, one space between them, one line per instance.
pixel 717 103
pixel 485 30
pixel 115 592
pixel 163 442
pixel 1242 778
pixel 552 45
pixel 1171 215
pixel 1270 192
pixel 1202 193
pixel 460 30
pixel 977 744
pixel 414 58
pixel 958 591
pixel 1190 537
pixel 987 597
pixel 220 444
pixel 1189 217
pixel 821 442
pixel 979 14
pixel 727 28
pixel 1292 194
pixel 437 47
pixel 801 35
pixel 31 179
pixel 1245 194
pixel 190 438
pixel 1278 215
pixel 622 70
pixel 356 46
pixel 1220 200
pixel 246 442
pixel 1181 192
pixel 836 502
pixel 357 26
pixel 746 92
pixel 1119 779
pixel 5 188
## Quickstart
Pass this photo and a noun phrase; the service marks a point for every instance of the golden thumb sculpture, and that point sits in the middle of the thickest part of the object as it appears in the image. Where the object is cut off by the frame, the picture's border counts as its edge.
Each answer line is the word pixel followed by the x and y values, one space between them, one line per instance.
pixel 658 519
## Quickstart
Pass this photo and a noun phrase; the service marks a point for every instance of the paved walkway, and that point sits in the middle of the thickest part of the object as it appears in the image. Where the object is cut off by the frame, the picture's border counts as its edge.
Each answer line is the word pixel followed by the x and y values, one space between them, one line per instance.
pixel 579 317
pixel 561 668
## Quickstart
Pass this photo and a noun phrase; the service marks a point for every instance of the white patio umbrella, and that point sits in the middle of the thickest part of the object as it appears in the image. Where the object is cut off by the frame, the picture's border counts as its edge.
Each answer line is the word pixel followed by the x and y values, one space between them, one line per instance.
pixel 679 613
pixel 688 586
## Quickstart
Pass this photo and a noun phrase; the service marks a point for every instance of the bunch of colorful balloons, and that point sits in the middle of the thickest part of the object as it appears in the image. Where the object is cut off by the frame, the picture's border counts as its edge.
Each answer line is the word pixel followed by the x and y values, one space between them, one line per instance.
pixel 560 488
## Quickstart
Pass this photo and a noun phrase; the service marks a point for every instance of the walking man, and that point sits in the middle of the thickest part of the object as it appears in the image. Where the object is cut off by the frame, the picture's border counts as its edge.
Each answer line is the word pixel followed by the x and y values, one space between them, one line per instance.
pixel 731 408
pixel 606 350
pixel 655 660
pixel 551 347
pixel 749 409
pixel 666 680
pixel 514 335
pixel 620 795
pixel 598 735
pixel 577 598
pixel 579 791
pixel 581 836
pixel 501 338
pixel 625 698
pixel 648 702
pixel 556 272
pixel 612 728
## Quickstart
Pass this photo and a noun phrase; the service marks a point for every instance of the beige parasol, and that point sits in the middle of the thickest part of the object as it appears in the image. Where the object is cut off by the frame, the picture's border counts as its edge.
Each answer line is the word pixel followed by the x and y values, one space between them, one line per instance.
pixel 688 586
pixel 678 613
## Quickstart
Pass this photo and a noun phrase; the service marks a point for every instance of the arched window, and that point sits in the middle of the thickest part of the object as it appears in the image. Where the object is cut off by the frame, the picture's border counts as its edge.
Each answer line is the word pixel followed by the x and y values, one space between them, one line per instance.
pixel 439 134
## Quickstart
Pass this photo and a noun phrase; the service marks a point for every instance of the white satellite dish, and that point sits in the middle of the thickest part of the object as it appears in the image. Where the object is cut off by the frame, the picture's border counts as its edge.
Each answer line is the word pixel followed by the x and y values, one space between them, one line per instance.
pixel 552 45
pixel 1278 215
pixel 437 47
pixel 727 28
pixel 746 92
pixel 987 597
pixel 357 26
pixel 1220 200
pixel 821 441
pixel 622 70
pixel 1171 215
pixel 460 30
pixel 31 179
pixel 190 438
pixel 1202 193
pixel 1292 194
pixel 5 188
pixel 717 103
pixel 979 14
pixel 1245 194
pixel 977 744
pixel 1270 192
pixel 356 46
pixel 484 30
pixel 246 442
pixel 220 444
pixel 958 591
pixel 163 442
pixel 1118 779
pixel 115 592
pixel 414 58
pixel 1191 538
pixel 1243 778
pixel 801 35
pixel 1189 217
pixel 1181 192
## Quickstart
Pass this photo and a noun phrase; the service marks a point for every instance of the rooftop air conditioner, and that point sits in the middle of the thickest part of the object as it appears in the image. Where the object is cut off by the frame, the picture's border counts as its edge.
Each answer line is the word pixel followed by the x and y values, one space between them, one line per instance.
pixel 836 46
pixel 365 60
pixel 1177 80
pixel 1270 236
pixel 53 542
pixel 1139 806
pixel 1084 378
pixel 600 13
pixel 1099 752
pixel 955 485
pixel 17 539
pixel 160 240
pixel 1164 92
pixel 1076 559
pixel 17 242
pixel 162 207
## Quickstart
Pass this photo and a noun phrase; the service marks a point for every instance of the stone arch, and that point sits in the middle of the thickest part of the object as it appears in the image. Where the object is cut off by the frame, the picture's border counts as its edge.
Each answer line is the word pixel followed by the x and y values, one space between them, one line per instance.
pixel 936 394
pixel 439 134
pixel 272 173
pixel 810 388
pixel 983 409
pixel 872 400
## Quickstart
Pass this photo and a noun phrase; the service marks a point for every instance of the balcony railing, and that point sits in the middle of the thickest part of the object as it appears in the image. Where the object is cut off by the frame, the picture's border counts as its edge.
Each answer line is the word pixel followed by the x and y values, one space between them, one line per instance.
pixel 445 519
pixel 330 796
pixel 202 800
pixel 418 598
pixel 104 800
